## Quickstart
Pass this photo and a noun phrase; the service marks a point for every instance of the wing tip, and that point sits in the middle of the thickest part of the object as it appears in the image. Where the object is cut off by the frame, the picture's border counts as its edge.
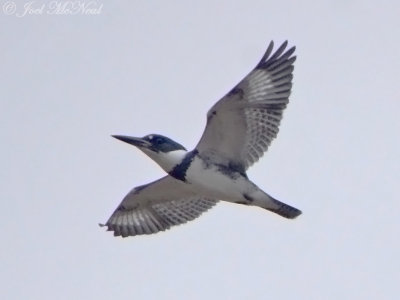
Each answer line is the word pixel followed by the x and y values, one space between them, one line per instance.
pixel 278 55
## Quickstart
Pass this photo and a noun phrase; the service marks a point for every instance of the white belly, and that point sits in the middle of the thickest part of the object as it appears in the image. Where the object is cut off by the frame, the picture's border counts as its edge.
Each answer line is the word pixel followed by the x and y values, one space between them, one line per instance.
pixel 209 181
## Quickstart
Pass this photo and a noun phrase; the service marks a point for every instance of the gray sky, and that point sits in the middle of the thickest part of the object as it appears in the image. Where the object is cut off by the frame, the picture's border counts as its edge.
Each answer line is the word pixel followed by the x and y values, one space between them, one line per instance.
pixel 139 67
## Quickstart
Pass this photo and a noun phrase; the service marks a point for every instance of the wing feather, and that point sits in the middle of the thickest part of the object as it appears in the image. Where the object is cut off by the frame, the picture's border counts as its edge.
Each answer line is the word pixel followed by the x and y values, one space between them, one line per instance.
pixel 241 126
pixel 156 207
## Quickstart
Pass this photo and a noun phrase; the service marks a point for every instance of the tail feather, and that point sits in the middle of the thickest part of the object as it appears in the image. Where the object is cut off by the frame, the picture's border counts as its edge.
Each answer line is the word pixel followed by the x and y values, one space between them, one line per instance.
pixel 282 209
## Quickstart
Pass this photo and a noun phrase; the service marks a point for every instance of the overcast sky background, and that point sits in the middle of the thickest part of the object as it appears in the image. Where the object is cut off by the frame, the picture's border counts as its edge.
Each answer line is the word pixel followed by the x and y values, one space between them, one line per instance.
pixel 70 81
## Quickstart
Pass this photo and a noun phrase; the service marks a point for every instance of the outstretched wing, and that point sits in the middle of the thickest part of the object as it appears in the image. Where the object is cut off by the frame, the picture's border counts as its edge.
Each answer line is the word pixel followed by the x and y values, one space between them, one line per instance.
pixel 156 207
pixel 241 126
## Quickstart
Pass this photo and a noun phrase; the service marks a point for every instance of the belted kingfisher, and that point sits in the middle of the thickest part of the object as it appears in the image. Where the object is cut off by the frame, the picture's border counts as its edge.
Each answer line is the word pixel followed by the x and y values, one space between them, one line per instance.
pixel 240 128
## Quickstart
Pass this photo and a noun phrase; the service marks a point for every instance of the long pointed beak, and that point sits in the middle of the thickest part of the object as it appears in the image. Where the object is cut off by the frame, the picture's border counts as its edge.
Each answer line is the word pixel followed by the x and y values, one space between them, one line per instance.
pixel 138 142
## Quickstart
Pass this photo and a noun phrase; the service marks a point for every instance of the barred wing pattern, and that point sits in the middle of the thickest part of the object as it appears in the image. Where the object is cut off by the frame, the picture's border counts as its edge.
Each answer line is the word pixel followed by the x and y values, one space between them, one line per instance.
pixel 157 207
pixel 241 126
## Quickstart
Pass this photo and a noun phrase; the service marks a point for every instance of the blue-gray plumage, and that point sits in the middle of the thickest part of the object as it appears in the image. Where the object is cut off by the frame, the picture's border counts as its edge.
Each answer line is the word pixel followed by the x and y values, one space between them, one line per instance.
pixel 240 128
pixel 179 171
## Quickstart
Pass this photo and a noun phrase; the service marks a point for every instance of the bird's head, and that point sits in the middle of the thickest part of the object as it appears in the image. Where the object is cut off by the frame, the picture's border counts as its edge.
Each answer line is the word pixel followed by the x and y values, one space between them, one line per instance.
pixel 164 151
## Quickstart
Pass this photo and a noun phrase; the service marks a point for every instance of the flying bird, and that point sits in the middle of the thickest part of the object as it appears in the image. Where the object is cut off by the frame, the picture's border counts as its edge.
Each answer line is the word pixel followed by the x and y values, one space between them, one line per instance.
pixel 240 128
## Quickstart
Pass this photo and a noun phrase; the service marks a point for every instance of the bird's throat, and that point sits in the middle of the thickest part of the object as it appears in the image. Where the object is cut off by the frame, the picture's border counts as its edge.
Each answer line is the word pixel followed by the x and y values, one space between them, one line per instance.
pixel 167 160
